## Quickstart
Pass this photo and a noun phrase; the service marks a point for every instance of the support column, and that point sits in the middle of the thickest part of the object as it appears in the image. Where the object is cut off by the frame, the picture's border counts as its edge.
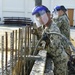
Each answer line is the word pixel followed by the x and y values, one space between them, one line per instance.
pixel 1 10
pixel 38 2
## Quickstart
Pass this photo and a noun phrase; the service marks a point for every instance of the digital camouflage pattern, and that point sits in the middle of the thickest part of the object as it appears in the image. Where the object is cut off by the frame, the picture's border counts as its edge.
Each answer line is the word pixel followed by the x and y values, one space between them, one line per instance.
pixel 56 51
pixel 64 26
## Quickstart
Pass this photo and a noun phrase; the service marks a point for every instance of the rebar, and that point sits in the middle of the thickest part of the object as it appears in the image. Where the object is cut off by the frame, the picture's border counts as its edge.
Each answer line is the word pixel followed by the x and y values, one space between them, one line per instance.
pixel 6 51
pixel 25 51
pixel 16 52
pixel 11 53
pixel 2 56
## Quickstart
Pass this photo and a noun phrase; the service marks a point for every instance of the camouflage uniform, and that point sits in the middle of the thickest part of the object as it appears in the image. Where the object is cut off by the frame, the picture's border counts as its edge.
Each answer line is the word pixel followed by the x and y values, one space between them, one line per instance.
pixel 56 51
pixel 64 26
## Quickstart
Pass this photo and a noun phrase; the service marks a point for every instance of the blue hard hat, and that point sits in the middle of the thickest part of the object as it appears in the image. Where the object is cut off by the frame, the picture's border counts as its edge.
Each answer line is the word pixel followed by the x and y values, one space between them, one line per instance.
pixel 60 8
pixel 39 8
pixel 57 8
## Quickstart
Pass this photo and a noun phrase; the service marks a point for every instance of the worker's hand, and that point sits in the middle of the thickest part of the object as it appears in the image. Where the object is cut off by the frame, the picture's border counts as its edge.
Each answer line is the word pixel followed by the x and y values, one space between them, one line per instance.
pixel 46 39
pixel 34 31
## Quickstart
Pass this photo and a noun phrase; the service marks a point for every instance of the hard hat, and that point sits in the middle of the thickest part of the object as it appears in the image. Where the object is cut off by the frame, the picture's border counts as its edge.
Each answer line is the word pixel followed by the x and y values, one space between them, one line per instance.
pixel 57 8
pixel 63 8
pixel 39 8
pixel 40 15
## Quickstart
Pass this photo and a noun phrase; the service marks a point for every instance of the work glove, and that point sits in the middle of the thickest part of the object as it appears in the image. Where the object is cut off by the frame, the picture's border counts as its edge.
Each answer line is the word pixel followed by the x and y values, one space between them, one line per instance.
pixel 46 39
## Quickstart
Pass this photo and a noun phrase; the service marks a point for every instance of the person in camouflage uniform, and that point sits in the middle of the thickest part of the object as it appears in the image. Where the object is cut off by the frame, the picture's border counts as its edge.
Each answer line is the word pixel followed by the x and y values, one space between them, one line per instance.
pixel 54 47
pixel 64 25
pixel 63 21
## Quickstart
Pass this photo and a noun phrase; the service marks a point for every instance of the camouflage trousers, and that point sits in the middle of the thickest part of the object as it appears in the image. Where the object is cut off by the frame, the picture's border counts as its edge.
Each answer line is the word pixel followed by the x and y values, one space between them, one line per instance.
pixel 60 65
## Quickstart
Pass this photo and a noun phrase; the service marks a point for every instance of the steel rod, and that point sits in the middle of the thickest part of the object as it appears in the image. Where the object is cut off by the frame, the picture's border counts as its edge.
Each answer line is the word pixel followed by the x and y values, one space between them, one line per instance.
pixel 6 51
pixel 16 46
pixel 25 51
pixel 2 56
pixel 11 53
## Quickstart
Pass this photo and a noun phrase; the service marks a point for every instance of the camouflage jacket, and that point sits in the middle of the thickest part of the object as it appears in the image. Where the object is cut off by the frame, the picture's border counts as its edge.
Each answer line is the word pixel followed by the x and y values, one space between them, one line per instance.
pixel 54 48
pixel 64 25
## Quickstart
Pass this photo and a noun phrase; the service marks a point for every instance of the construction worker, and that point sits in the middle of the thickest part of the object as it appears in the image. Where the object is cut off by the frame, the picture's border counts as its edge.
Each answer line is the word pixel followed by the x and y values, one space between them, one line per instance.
pixel 63 20
pixel 54 47
pixel 63 23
